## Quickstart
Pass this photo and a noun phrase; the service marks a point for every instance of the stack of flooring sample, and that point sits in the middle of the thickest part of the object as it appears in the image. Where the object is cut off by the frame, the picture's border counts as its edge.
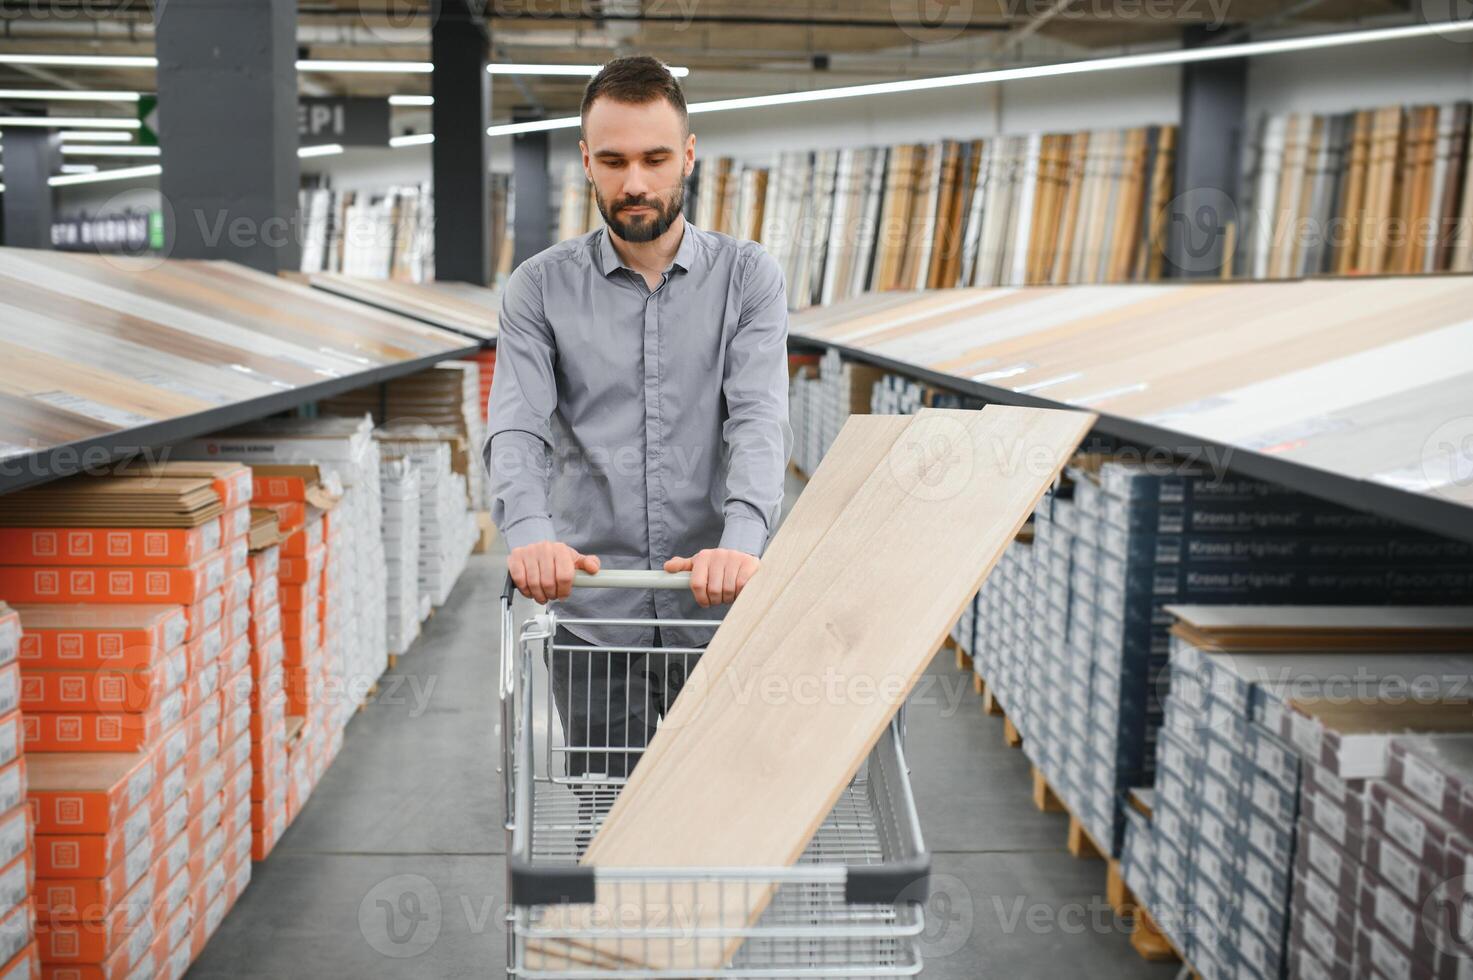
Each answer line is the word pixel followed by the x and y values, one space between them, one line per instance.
pixel 317 454
pixel 821 402
pixel 895 394
pixel 447 529
pixel 1279 841
pixel 269 816
pixel 450 309
pixel 18 946
pixel 1377 191
pixel 447 396
pixel 864 578
pixel 399 479
pixel 1080 614
pixel 136 681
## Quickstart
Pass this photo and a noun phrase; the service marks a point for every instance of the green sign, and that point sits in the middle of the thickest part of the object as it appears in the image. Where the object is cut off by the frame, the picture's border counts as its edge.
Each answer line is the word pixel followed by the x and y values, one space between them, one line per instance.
pixel 148 117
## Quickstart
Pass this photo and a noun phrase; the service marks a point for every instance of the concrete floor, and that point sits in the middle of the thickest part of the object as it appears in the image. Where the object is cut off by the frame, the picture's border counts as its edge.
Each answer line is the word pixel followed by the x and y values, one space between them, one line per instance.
pixel 395 868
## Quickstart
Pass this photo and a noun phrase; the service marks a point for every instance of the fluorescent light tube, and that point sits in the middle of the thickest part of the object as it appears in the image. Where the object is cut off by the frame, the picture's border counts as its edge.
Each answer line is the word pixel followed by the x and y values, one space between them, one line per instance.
pixel 411 100
pixel 102 176
pixel 57 122
pixel 378 67
pixel 94 136
pixel 417 139
pixel 518 68
pixel 81 60
pixel 109 151
pixel 1174 56
pixel 324 150
pixel 66 95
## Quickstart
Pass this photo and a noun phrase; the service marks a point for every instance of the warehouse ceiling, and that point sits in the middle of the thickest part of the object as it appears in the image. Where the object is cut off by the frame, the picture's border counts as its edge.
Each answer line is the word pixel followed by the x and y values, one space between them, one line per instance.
pixel 732 47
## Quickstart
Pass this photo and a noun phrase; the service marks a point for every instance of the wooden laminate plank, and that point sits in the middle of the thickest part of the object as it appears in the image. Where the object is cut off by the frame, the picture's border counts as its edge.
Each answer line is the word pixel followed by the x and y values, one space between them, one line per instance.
pixel 745 781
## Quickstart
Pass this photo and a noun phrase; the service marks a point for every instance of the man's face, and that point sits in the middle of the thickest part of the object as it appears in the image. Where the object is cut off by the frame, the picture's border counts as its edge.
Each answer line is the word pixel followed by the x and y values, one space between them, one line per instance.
pixel 637 157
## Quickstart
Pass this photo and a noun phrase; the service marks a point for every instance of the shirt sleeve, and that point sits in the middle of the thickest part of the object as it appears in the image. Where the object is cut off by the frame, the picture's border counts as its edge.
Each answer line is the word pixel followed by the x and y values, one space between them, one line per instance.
pixel 518 447
pixel 757 434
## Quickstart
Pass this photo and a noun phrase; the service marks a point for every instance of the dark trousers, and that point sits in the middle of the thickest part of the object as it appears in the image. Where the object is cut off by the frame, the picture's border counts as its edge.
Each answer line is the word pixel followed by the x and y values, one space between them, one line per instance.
pixel 609 703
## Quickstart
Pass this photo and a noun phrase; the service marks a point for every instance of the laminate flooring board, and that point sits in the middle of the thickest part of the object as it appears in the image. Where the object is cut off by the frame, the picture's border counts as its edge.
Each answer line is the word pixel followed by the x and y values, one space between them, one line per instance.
pixel 745 780
pixel 420 301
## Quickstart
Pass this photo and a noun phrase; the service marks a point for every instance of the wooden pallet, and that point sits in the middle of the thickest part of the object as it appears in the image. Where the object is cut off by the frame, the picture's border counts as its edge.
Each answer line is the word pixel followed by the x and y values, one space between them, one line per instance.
pixel 1044 798
pixel 963 659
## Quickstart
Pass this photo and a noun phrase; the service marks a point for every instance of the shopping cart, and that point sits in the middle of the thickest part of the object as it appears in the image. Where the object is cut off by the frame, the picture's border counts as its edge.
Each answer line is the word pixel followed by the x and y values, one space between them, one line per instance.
pixel 851 907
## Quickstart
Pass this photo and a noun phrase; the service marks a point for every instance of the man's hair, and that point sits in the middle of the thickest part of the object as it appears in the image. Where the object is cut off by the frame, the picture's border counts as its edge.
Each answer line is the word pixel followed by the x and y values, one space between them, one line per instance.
pixel 637 79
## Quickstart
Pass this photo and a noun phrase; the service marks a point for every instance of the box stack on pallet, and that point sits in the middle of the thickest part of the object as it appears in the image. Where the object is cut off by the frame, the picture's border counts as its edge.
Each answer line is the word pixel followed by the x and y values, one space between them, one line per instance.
pixel 447 530
pixel 134 663
pixel 895 394
pixel 19 952
pixel 399 478
pixel 1289 833
pixel 820 401
pixel 1135 538
pixel 346 458
pixel 269 815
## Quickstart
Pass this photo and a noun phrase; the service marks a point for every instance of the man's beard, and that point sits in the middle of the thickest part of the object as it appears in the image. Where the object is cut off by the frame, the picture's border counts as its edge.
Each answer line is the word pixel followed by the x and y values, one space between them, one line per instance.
pixel 642 229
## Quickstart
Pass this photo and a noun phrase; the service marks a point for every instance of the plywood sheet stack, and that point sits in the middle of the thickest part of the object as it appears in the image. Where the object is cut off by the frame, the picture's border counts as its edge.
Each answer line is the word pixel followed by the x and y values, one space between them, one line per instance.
pixel 346 458
pixel 1292 830
pixel 401 502
pixel 19 950
pixel 135 674
pixel 1080 614
pixel 447 529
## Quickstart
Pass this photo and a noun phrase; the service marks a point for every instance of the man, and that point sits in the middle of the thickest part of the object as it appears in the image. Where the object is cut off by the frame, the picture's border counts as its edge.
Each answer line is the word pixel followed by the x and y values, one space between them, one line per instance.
pixel 638 417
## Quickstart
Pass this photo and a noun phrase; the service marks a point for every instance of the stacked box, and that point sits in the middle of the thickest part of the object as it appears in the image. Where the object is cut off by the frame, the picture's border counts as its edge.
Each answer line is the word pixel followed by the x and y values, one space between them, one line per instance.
pixel 347 457
pixel 447 530
pixel 804 399
pixel 401 502
pixel 18 948
pixel 266 711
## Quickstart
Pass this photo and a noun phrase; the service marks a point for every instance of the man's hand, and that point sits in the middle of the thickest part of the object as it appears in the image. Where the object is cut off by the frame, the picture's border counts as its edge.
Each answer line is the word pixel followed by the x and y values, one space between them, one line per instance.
pixel 717 575
pixel 543 571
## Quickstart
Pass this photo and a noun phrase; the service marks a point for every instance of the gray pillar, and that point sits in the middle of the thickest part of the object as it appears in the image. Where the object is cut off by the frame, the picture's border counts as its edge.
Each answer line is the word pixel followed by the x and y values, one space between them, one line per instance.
pixel 227 86
pixel 461 152
pixel 533 231
pixel 1208 144
pixel 31 157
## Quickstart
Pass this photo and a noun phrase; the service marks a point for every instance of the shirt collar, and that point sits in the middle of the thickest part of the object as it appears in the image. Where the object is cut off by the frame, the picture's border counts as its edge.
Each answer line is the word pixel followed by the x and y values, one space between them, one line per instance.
pixel 685 255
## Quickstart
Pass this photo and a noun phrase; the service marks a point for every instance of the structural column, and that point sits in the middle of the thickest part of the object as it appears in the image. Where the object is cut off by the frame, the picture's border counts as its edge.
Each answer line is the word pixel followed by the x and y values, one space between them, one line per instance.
pixel 533 231
pixel 1206 201
pixel 227 88
pixel 31 157
pixel 460 155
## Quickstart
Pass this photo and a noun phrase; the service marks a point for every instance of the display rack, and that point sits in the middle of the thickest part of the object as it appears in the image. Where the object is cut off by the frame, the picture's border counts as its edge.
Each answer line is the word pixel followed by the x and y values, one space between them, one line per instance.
pixel 459 307
pixel 1354 377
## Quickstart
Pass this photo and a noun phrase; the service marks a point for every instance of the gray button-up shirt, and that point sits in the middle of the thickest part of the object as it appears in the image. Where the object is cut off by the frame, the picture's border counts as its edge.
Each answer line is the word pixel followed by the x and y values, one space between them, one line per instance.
pixel 636 424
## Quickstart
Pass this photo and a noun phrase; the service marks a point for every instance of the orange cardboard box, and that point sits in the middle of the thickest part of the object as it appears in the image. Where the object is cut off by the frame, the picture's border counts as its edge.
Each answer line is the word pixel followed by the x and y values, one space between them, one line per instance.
pixel 264 563
pixel 236 690
pixel 136 906
pixel 236 522
pixel 99 635
pixel 101 689
pixel 114 583
pixel 237 623
pixel 231 480
pixel 237 552
pixel 205 647
pixel 263 841
pixel 209 782
pixel 238 585
pixel 267 722
pixel 297 570
pixel 202 686
pixel 302 540
pixel 265 624
pixel 99 941
pixel 175 825
pixel 265 587
pixel 11 735
pixel 205 719
pixel 176 934
pixel 9 687
pixel 172 874
pixel 15 833
pixel 206 752
pixel 12 784
pixel 92 898
pixel 298 651
pixel 267 654
pixel 268 777
pixel 290 514
pixel 205 613
pixel 70 546
pixel 275 483
pixel 238 781
pixel 17 930
pixel 87 792
pixel 93 855
pixel 26 963
pixel 171 750
pixel 236 723
pixel 301 595
pixel 96 731
pixel 16 879
pixel 236 658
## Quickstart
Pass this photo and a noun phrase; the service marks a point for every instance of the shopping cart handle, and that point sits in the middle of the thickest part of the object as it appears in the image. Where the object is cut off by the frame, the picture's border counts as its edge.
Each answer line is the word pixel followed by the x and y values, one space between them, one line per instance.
pixel 632 578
